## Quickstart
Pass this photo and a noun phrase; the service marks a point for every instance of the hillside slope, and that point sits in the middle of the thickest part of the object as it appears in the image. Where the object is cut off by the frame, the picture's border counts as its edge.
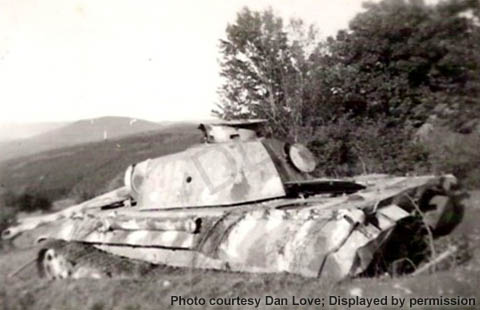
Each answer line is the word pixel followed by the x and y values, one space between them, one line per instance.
pixel 83 131
pixel 85 170
pixel 10 131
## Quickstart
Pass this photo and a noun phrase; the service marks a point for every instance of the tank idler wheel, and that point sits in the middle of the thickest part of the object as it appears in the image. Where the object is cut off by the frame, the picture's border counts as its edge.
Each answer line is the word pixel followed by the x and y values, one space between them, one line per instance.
pixel 52 263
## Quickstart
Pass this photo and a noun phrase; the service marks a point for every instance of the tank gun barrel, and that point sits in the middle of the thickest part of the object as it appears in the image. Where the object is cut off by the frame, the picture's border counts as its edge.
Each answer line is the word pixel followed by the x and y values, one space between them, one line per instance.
pixel 116 196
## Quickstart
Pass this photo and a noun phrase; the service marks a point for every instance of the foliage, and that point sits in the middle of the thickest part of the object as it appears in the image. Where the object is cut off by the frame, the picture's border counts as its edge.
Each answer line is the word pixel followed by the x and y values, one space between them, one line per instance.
pixel 455 153
pixel 31 202
pixel 401 59
pixel 7 213
pixel 269 74
pixel 7 218
pixel 346 147
pixel 28 201
pixel 358 98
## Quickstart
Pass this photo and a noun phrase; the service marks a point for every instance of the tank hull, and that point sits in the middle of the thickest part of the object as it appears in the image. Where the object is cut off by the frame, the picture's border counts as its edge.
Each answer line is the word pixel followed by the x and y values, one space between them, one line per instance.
pixel 324 235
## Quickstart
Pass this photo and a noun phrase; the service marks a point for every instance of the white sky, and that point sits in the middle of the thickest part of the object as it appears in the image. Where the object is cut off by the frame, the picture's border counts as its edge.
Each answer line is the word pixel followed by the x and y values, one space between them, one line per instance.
pixel 71 59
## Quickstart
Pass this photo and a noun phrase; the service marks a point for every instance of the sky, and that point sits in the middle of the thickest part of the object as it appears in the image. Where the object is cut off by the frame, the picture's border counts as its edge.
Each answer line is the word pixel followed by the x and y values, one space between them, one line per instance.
pixel 65 60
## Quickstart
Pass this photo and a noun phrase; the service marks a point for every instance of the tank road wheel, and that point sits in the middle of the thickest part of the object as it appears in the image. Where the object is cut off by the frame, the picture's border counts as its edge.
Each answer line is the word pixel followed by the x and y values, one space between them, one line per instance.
pixel 60 259
pixel 52 263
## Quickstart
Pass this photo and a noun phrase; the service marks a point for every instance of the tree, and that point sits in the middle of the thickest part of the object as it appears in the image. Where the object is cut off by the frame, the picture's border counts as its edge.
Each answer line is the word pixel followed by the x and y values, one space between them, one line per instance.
pixel 268 74
pixel 404 59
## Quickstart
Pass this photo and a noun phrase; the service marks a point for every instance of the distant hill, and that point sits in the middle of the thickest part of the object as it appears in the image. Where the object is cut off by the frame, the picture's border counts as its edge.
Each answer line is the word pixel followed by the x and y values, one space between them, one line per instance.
pixel 87 169
pixel 13 131
pixel 80 132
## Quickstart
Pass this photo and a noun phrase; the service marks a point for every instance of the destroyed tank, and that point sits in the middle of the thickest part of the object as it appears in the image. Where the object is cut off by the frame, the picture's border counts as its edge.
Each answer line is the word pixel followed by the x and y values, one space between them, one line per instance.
pixel 241 202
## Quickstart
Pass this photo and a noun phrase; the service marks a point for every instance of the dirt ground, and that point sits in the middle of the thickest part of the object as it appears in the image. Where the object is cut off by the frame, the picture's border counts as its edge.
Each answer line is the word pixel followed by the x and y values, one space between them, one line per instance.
pixel 157 289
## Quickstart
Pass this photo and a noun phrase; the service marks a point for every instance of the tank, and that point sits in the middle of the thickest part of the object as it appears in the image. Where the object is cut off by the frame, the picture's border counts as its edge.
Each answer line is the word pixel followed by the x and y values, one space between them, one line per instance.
pixel 242 202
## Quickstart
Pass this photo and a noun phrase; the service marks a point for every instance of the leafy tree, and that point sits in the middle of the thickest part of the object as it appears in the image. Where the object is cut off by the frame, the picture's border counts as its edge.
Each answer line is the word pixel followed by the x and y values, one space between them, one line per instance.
pixel 268 74
pixel 402 59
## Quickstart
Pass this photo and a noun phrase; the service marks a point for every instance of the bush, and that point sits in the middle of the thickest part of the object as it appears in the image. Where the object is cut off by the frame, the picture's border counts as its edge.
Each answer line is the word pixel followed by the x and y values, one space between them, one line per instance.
pixel 349 147
pixel 28 201
pixel 7 218
pixel 32 202
pixel 455 153
pixel 7 210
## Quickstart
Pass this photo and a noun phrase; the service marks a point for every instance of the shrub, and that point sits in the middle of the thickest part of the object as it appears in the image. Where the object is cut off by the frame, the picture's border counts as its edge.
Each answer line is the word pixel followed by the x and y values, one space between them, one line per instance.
pixel 455 153
pixel 7 212
pixel 7 218
pixel 348 147
pixel 32 202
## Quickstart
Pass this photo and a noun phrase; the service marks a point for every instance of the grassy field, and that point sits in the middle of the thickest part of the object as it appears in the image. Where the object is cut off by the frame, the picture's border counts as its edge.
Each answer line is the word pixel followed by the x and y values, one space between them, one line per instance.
pixel 155 290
